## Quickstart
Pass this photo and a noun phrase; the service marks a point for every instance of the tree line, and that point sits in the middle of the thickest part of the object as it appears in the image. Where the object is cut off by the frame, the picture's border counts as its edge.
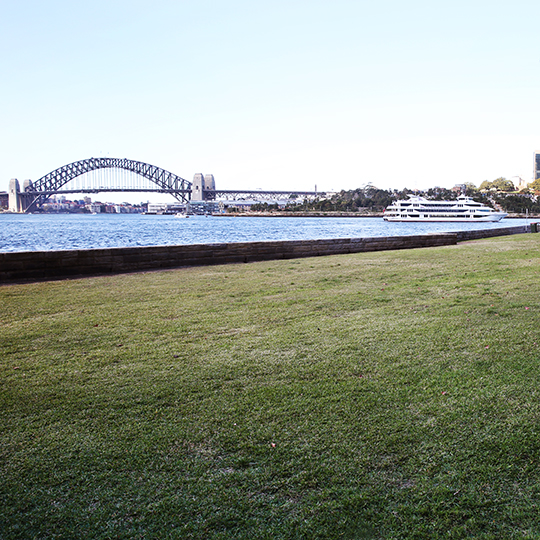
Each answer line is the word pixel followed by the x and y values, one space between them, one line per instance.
pixel 372 199
pixel 365 199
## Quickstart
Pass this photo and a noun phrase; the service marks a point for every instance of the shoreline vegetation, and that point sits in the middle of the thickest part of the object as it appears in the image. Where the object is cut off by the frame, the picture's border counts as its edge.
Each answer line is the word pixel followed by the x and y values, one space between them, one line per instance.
pixel 499 194
pixel 282 213
pixel 374 395
pixel 338 215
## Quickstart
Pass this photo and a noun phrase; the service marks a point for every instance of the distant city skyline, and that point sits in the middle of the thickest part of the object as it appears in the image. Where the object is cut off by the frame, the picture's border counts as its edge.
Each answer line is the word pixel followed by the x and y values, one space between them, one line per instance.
pixel 335 94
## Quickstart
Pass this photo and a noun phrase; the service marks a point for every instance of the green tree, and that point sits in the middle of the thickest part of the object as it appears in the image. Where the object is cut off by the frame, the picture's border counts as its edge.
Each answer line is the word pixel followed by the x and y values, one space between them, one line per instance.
pixel 441 194
pixel 502 184
pixel 535 185
pixel 470 189
pixel 499 184
pixel 486 184
pixel 518 204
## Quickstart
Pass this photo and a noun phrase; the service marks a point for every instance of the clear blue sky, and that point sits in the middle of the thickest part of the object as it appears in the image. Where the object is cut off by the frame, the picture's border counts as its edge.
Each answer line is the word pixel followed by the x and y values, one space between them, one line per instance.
pixel 282 94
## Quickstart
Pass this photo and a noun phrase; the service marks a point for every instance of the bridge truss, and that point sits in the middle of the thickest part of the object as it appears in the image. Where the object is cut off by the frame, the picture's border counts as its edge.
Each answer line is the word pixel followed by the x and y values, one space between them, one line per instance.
pixel 234 195
pixel 36 193
pixel 156 179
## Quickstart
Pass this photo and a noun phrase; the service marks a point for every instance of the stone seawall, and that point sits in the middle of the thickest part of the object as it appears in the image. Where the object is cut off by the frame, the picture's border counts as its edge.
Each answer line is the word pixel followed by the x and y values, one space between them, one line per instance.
pixel 46 265
pixel 463 236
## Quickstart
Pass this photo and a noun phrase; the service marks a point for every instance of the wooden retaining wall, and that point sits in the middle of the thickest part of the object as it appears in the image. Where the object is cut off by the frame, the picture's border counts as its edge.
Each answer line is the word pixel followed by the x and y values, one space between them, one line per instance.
pixel 45 265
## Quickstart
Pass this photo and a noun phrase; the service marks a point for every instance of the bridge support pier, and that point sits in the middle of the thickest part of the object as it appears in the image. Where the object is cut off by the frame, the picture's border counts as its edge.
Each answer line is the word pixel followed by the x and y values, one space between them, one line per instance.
pixel 19 201
pixel 197 188
pixel 203 187
pixel 14 196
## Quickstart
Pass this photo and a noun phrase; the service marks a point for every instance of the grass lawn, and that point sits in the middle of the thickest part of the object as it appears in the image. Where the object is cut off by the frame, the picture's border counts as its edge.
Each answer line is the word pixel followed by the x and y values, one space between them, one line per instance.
pixel 375 395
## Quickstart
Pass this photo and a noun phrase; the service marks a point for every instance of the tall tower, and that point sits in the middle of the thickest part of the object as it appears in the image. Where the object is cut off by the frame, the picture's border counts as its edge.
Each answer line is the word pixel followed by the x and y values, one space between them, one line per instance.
pixel 209 183
pixel 536 165
pixel 200 185
pixel 197 187
pixel 19 201
pixel 14 191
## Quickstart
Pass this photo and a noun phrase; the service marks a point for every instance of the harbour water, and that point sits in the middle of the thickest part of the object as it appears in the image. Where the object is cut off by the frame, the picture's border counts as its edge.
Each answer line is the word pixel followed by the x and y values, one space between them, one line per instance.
pixel 46 232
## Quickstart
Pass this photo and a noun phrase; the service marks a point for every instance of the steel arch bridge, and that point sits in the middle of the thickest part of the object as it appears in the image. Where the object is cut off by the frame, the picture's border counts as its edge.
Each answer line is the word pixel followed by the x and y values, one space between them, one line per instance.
pixel 36 193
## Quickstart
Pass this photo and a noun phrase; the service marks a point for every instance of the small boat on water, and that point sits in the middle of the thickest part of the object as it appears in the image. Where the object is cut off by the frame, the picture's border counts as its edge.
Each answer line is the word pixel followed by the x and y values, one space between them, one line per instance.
pixel 421 209
pixel 181 215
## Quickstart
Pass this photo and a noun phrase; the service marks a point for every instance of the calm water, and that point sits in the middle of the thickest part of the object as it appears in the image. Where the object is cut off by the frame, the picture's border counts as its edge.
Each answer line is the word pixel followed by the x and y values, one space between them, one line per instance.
pixel 21 232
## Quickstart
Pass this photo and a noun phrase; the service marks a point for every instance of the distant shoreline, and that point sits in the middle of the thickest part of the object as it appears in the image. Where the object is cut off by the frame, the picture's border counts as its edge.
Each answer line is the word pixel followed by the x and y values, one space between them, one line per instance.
pixel 337 215
pixel 300 214
pixel 268 214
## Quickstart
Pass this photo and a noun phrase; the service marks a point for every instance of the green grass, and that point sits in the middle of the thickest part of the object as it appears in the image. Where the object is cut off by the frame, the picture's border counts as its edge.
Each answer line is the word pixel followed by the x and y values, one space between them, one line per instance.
pixel 376 395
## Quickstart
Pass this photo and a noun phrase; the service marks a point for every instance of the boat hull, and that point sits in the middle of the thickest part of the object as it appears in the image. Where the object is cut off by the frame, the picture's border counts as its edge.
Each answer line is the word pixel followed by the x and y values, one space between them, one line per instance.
pixel 484 219
pixel 463 209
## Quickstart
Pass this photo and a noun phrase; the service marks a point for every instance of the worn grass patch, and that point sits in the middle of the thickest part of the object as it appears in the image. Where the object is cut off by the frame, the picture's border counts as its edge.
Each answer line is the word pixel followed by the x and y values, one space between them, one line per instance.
pixel 377 395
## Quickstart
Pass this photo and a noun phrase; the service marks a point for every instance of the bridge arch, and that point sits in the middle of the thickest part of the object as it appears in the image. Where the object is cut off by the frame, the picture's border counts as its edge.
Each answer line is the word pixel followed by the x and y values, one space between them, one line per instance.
pixel 36 193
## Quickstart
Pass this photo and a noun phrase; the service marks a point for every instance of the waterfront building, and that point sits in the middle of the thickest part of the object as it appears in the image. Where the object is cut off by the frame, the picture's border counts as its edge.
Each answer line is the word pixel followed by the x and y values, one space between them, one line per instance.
pixel 165 208
pixel 157 208
pixel 95 208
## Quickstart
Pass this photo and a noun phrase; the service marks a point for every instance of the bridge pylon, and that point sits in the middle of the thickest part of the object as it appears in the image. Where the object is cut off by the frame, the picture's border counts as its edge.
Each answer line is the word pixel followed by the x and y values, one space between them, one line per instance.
pixel 13 195
pixel 19 201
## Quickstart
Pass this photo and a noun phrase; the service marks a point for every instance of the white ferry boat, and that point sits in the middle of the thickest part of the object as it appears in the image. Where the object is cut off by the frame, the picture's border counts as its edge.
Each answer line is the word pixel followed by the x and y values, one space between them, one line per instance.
pixel 421 209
